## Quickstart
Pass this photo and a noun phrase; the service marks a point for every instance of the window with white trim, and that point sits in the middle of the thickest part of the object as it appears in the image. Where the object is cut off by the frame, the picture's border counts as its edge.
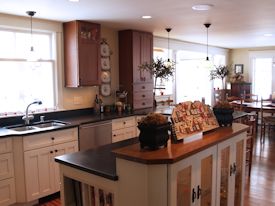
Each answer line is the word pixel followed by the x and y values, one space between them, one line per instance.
pixel 23 81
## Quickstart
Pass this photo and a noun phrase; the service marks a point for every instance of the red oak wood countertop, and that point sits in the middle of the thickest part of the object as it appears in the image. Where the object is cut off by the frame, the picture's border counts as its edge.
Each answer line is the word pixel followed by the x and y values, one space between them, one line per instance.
pixel 175 152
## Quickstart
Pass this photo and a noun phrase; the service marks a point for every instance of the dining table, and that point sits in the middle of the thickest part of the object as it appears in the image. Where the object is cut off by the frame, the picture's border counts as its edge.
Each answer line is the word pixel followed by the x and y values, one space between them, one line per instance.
pixel 267 107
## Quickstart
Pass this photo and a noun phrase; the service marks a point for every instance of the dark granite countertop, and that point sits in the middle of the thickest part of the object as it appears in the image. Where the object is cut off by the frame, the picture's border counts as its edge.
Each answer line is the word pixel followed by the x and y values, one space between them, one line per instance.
pixel 100 161
pixel 74 119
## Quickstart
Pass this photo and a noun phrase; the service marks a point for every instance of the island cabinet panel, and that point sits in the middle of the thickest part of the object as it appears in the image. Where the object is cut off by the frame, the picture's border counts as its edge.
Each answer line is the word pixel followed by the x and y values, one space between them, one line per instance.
pixel 193 180
pixel 136 48
pixel 230 172
pixel 205 172
pixel 81 53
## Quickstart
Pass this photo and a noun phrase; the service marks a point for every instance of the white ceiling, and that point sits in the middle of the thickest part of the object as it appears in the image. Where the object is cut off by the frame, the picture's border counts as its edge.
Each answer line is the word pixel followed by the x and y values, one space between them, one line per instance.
pixel 235 23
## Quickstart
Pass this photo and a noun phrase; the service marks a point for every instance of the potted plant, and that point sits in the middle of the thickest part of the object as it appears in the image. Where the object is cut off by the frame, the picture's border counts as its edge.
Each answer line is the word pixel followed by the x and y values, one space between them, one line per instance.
pixel 153 131
pixel 223 111
pixel 159 69
pixel 220 72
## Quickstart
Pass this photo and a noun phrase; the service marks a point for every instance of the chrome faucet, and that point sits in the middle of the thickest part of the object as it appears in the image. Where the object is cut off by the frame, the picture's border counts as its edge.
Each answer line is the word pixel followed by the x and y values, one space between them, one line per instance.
pixel 28 117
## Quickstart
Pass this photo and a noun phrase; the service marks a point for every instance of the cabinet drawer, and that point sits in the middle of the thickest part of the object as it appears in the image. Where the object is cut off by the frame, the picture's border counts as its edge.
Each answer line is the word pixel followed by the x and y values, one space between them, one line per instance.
pixel 123 134
pixel 143 103
pixel 5 145
pixel 6 165
pixel 7 192
pixel 49 138
pixel 123 123
pixel 143 87
pixel 143 95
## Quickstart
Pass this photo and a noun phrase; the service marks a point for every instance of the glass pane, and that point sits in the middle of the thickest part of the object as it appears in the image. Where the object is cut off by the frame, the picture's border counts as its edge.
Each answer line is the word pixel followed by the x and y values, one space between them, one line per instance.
pixel 206 180
pixel 23 82
pixel 224 176
pixel 184 187
pixel 239 170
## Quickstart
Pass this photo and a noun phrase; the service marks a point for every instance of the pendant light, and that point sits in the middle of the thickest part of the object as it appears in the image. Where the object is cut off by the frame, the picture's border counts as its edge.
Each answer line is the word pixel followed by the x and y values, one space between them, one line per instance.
pixel 31 53
pixel 207 25
pixel 168 63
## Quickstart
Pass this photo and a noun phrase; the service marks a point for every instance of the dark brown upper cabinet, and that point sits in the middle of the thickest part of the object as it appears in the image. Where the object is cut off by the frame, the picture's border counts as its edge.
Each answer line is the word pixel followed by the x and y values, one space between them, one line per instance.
pixel 81 53
pixel 136 48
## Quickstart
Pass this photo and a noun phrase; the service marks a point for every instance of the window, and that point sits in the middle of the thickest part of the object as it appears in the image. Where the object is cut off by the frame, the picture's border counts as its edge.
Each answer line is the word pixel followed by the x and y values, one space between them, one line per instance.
pixel 262 76
pixel 22 81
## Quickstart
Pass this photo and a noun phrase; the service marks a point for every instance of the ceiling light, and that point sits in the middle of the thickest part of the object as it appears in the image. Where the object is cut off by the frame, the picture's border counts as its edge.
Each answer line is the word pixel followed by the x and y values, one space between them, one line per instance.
pixel 207 25
pixel 74 0
pixel 202 7
pixel 146 17
pixel 31 54
pixel 168 63
pixel 268 35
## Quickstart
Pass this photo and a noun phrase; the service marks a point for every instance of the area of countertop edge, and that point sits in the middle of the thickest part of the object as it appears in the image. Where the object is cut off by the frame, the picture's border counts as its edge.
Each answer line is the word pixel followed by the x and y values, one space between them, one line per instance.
pixel 121 150
pixel 175 152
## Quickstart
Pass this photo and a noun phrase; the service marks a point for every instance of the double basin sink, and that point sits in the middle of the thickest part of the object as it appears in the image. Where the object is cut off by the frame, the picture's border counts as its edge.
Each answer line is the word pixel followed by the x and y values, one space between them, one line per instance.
pixel 38 126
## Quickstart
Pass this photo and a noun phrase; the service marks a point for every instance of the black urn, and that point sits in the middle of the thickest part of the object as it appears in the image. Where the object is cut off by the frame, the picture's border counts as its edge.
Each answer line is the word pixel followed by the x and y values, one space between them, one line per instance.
pixel 224 116
pixel 153 136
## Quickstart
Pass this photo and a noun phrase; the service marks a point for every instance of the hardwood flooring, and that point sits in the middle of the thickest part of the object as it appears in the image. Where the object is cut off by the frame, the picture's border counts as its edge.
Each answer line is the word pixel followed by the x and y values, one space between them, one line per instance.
pixel 259 188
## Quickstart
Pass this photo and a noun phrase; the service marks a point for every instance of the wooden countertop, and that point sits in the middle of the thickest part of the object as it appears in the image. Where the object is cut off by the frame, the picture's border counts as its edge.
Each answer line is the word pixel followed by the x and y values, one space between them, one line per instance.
pixel 175 152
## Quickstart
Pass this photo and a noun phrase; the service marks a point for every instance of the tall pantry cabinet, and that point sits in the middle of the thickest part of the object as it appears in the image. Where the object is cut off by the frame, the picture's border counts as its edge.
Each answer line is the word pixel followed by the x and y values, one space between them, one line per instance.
pixel 81 53
pixel 136 48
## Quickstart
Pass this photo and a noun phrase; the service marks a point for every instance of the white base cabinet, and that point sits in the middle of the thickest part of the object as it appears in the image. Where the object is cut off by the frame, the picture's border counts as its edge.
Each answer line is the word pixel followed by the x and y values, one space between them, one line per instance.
pixel 123 128
pixel 35 159
pixel 193 180
pixel 230 171
pixel 7 185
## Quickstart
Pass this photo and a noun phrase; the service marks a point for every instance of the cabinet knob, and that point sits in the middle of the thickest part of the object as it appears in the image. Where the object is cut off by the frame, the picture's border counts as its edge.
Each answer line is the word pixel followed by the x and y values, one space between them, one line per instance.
pixel 56 150
pixel 52 138
pixel 114 135
pixel 143 95
pixel 51 152
pixel 143 87
pixel 143 103
pixel 124 122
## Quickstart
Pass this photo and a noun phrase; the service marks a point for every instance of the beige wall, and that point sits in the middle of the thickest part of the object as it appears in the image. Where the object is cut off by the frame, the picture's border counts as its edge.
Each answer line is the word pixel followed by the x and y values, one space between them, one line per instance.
pixel 241 56
pixel 69 98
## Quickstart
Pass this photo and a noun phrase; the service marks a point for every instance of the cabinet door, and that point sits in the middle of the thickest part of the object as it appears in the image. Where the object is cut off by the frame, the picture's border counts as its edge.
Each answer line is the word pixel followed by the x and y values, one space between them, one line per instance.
pixel 230 172
pixel 6 166
pixel 7 192
pixel 192 180
pixel 39 173
pixel 142 52
pixel 58 150
pixel 89 53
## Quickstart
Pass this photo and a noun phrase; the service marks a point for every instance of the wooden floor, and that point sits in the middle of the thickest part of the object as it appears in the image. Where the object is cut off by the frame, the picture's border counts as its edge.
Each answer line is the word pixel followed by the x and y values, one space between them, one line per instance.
pixel 260 187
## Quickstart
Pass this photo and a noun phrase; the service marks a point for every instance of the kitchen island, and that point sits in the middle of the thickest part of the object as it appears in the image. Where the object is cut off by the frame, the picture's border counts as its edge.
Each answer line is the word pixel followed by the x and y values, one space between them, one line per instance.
pixel 209 171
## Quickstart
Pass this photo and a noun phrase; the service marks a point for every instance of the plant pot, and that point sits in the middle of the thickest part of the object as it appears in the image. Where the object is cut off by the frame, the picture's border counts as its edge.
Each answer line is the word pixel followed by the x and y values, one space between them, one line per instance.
pixel 224 116
pixel 153 136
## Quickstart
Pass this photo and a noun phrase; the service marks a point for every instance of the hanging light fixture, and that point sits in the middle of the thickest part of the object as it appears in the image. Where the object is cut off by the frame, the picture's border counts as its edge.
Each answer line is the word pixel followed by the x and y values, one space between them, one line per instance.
pixel 168 63
pixel 31 54
pixel 207 25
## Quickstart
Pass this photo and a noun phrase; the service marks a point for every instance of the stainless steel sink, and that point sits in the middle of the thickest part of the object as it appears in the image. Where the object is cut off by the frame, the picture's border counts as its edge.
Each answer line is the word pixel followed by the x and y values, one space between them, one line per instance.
pixel 38 126
pixel 22 128
pixel 53 123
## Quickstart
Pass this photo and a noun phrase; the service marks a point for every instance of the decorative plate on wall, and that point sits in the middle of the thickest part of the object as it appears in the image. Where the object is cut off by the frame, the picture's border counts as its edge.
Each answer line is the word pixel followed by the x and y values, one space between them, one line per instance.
pixel 105 63
pixel 104 50
pixel 105 90
pixel 105 77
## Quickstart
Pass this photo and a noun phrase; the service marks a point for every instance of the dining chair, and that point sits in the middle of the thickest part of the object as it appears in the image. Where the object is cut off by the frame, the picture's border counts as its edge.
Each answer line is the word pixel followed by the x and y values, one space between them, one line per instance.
pixel 267 121
pixel 250 120
pixel 250 98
